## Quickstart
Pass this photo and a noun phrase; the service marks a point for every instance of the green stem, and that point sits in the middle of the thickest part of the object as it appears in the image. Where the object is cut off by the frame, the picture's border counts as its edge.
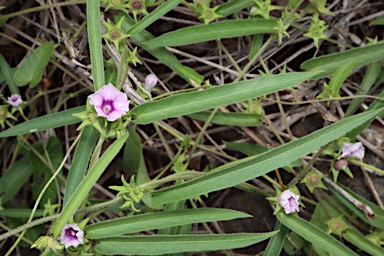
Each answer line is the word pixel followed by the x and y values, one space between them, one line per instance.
pixel 187 175
pixel 367 166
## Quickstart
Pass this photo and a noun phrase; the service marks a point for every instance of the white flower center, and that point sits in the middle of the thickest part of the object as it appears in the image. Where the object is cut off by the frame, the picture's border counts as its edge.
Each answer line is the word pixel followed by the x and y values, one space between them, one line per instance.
pixel 107 108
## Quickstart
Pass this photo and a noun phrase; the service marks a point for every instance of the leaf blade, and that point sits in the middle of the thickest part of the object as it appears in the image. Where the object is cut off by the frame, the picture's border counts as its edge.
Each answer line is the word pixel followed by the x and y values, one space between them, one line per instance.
pixel 261 164
pixel 159 220
pixel 329 63
pixel 315 235
pixel 192 102
pixel 156 245
pixel 217 30
pixel 45 122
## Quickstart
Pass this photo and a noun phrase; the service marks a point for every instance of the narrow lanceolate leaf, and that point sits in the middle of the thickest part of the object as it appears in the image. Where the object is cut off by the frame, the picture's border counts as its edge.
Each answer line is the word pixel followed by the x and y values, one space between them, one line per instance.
pixel 8 75
pixel 217 30
pixel 357 239
pixel 377 221
pixel 157 245
pixel 31 70
pixel 275 244
pixel 45 122
pixel 233 6
pixel 86 185
pixel 153 16
pixel 80 161
pixel 232 119
pixel 94 40
pixel 260 164
pixel 183 104
pixel 314 235
pixel 373 71
pixel 150 221
pixel 15 177
pixel 329 63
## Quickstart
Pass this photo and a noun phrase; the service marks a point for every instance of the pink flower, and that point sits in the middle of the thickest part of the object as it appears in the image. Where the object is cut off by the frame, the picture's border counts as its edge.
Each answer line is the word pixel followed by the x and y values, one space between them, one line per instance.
pixel 150 81
pixel 352 150
pixel 15 100
pixel 289 201
pixel 109 102
pixel 71 235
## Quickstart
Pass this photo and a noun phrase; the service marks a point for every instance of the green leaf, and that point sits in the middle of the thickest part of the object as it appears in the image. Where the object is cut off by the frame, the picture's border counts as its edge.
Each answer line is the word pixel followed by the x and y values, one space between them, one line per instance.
pixel 31 70
pixel 160 53
pixel 329 63
pixel 339 77
pixel 378 220
pixel 233 6
pixel 232 119
pixel 46 122
pixel 376 104
pixel 13 180
pixel 217 30
pixel 243 170
pixel 187 103
pixel 153 16
pixel 8 75
pixel 176 230
pixel 314 235
pixel 80 161
pixel 276 243
pixel 86 185
pixel 94 41
pixel 245 148
pixel 191 74
pixel 132 152
pixel 378 21
pixel 363 243
pixel 42 173
pixel 257 42
pixel 156 245
pixel 369 79
pixel 150 221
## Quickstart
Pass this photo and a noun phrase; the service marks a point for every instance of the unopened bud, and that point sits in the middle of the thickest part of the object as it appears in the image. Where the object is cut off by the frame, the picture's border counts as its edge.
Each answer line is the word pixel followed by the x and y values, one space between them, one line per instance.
pixel 150 81
pixel 341 164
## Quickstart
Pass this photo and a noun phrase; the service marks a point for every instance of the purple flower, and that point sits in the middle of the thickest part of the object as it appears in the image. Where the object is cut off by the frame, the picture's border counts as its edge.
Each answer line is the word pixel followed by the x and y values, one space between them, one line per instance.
pixel 150 81
pixel 71 235
pixel 109 102
pixel 352 150
pixel 289 201
pixel 15 100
